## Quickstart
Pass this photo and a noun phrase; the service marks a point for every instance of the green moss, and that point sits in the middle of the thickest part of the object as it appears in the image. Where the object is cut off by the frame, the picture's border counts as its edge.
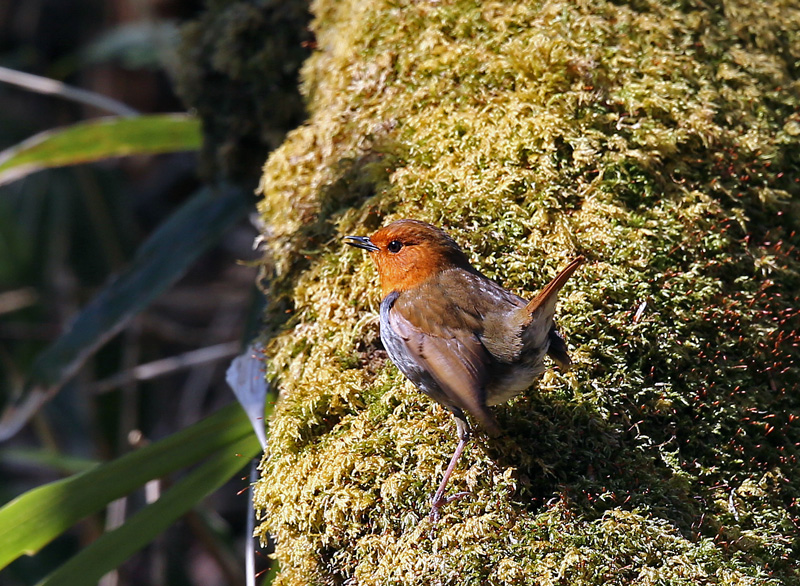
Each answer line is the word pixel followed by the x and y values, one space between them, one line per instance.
pixel 661 140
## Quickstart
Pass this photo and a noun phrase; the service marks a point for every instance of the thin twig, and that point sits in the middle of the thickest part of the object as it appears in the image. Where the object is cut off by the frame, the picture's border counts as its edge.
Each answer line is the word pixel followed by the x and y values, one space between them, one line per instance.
pixel 168 365
pixel 17 299
pixel 45 85
pixel 250 541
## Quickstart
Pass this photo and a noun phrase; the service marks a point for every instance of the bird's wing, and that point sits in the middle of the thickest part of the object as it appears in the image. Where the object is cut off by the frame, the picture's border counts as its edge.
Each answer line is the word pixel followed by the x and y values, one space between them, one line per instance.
pixel 457 362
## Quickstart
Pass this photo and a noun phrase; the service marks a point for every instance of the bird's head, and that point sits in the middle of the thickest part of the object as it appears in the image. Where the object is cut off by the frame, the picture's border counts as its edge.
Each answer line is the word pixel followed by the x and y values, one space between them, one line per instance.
pixel 409 252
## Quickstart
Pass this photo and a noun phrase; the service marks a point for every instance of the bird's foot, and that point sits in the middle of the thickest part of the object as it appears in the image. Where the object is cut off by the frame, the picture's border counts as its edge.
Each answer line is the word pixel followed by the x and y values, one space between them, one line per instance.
pixel 438 501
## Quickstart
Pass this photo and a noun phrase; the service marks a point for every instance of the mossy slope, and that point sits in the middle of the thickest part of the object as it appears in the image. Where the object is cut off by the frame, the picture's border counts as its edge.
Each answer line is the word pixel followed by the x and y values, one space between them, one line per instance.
pixel 661 140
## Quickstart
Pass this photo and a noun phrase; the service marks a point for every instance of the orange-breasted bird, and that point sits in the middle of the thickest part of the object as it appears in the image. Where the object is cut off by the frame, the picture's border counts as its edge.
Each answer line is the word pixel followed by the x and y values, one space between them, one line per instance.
pixel 460 337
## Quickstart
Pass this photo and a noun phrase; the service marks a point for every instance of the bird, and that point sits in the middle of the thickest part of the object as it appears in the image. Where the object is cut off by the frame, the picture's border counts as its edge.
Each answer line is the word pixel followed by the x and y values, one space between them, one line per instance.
pixel 458 336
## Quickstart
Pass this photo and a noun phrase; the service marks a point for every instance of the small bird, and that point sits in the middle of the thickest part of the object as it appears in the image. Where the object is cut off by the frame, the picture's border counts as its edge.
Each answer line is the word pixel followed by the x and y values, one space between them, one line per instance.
pixel 460 337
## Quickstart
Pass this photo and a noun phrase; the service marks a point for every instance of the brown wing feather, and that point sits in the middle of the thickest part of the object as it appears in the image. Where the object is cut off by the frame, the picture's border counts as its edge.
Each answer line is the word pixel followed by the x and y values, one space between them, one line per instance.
pixel 457 362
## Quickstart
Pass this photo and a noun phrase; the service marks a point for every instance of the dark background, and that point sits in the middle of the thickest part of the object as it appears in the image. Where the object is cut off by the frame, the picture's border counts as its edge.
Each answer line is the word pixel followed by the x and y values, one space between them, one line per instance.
pixel 63 232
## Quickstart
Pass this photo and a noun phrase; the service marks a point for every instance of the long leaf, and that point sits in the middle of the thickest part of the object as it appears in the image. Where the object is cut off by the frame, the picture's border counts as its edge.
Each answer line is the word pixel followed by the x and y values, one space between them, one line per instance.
pixel 113 548
pixel 49 459
pixel 98 139
pixel 35 518
pixel 160 261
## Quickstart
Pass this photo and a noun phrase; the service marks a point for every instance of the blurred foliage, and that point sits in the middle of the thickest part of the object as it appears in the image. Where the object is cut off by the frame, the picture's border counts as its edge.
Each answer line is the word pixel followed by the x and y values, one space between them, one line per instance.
pixel 38 516
pixel 70 239
pixel 660 139
pixel 136 45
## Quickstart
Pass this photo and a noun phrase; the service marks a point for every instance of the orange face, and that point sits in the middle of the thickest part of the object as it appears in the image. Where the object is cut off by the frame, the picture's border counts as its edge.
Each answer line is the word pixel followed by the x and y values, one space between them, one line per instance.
pixel 408 252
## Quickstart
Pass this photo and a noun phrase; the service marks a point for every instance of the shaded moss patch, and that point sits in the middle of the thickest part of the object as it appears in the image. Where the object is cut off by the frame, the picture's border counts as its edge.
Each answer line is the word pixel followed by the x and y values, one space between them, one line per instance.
pixel 238 70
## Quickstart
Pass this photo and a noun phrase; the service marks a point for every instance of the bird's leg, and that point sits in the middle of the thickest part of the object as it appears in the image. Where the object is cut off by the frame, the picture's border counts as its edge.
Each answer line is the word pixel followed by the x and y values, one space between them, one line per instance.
pixel 439 500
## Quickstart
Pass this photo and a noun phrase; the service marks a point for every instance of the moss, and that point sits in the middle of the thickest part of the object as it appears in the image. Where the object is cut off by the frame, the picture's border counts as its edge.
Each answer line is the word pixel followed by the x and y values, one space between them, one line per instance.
pixel 660 140
pixel 239 63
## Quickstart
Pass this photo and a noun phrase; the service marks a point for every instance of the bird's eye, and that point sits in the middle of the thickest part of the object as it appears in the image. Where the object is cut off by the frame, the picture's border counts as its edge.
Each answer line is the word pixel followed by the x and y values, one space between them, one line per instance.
pixel 394 246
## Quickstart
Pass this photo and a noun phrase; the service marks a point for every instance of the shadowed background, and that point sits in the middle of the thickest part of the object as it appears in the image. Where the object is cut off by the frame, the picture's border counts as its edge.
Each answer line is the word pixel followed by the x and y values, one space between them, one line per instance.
pixel 64 231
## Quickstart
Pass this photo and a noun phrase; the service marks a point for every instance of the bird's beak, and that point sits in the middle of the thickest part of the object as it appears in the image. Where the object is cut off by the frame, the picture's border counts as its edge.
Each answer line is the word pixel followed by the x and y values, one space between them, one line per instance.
pixel 361 242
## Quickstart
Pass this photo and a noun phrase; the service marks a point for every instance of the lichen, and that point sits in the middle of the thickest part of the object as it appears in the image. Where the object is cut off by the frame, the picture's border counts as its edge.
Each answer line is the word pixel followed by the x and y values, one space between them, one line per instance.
pixel 659 139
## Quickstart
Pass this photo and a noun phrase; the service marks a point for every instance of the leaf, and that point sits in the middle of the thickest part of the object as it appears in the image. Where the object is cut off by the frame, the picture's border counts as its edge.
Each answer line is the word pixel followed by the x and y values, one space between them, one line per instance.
pixel 246 377
pixel 98 139
pixel 35 518
pixel 45 458
pixel 159 262
pixel 114 547
pixel 135 45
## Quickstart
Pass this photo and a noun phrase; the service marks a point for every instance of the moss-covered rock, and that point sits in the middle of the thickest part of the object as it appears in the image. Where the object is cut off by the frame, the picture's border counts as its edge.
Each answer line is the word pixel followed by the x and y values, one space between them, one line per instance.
pixel 662 141
pixel 239 64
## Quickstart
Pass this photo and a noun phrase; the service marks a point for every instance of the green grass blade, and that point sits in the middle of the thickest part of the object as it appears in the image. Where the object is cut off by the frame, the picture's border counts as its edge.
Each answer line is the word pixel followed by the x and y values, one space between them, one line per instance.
pixel 35 518
pixel 46 459
pixel 160 261
pixel 98 139
pixel 113 548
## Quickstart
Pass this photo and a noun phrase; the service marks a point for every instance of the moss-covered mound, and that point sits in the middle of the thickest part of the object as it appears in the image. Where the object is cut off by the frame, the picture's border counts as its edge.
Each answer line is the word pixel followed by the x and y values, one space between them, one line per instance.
pixel 662 141
pixel 238 68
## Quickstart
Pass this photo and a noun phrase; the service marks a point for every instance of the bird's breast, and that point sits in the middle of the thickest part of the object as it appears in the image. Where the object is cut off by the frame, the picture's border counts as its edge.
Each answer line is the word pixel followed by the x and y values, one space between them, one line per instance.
pixel 399 352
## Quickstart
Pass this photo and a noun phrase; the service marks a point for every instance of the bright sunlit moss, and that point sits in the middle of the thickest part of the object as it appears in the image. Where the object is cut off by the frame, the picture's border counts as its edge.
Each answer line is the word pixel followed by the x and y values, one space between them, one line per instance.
pixel 662 141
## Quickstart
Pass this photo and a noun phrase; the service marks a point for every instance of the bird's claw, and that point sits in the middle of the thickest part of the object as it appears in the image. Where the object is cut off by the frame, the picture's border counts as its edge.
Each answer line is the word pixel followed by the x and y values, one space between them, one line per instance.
pixel 437 502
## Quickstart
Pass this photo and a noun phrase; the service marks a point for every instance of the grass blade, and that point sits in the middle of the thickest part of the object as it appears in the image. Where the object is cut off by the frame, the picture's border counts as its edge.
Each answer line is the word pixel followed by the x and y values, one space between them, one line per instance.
pixel 35 518
pixel 160 261
pixel 100 138
pixel 113 548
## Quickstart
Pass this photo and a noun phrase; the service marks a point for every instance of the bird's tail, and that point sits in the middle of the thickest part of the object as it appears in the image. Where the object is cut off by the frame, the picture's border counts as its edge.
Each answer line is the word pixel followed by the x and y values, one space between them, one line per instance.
pixel 537 315
pixel 545 301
